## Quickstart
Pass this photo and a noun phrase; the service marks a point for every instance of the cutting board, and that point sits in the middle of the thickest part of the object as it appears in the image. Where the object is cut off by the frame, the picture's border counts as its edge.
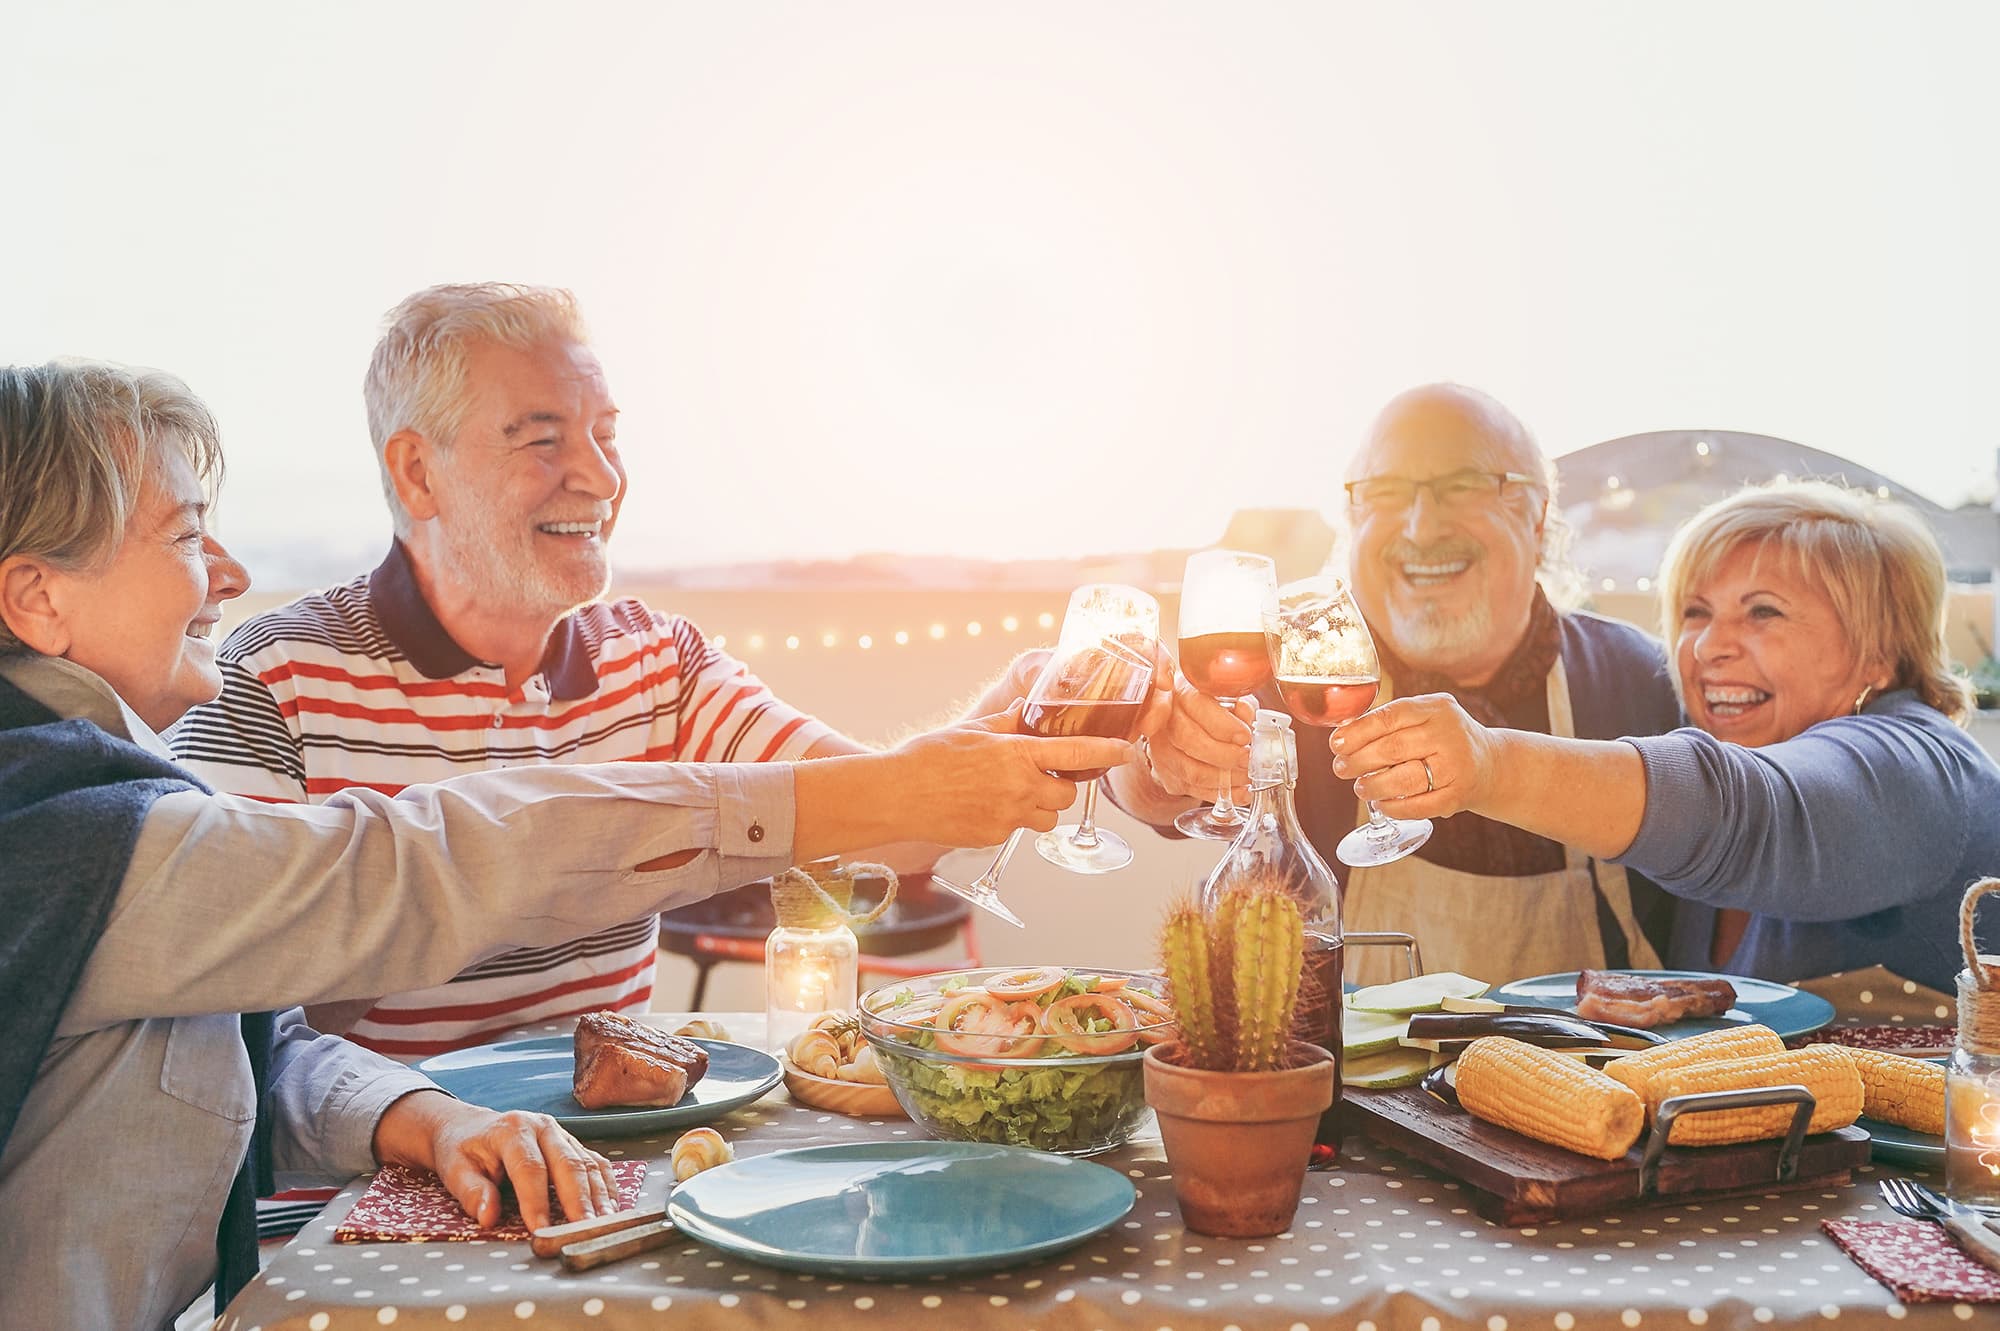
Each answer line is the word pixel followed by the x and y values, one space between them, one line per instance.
pixel 1517 1180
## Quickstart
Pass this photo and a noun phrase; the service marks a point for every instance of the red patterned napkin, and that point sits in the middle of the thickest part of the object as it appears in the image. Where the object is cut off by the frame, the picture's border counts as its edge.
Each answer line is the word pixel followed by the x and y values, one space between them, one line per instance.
pixel 1891 1039
pixel 1916 1259
pixel 407 1205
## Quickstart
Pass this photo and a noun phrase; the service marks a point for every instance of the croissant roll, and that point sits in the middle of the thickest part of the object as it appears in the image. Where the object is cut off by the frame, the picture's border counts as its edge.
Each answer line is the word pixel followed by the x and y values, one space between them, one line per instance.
pixel 817 1052
pixel 863 1067
pixel 699 1149
pixel 703 1029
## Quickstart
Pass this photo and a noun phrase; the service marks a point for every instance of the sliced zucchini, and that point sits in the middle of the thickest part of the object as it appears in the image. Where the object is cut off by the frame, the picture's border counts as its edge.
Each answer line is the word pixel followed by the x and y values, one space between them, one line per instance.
pixel 1365 1033
pixel 1422 993
pixel 1386 1071
pixel 1451 1004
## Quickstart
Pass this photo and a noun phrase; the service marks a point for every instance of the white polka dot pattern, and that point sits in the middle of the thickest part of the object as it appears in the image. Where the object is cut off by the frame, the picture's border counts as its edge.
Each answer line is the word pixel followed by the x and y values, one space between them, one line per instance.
pixel 1381 1244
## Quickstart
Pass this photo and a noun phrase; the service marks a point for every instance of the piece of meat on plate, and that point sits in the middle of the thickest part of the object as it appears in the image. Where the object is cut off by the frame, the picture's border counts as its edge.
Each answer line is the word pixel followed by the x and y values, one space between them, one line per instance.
pixel 1645 1001
pixel 620 1061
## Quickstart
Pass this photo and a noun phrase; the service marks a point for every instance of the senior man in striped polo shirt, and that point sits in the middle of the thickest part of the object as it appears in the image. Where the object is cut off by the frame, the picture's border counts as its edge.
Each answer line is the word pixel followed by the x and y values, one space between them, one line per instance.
pixel 479 643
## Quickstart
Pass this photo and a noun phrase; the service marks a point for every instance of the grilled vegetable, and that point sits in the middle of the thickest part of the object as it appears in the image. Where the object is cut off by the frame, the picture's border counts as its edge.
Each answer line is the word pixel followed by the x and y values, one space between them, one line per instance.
pixel 1904 1091
pixel 1450 1032
pixel 1548 1096
pixel 1365 1033
pixel 1823 1069
pixel 1635 1070
pixel 1421 993
pixel 1387 1070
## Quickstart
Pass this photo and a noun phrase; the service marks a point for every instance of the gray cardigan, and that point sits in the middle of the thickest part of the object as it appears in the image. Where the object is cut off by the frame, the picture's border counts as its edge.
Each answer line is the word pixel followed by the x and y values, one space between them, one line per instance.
pixel 1851 843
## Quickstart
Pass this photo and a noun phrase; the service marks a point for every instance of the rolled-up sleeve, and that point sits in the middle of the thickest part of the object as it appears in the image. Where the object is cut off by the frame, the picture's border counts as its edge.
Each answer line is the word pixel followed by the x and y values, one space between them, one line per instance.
pixel 327 1095
pixel 234 905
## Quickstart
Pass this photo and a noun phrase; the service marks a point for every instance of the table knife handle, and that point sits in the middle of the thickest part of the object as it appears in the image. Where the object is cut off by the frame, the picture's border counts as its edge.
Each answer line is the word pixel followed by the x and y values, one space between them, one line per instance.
pixel 550 1240
pixel 616 1247
pixel 1979 1242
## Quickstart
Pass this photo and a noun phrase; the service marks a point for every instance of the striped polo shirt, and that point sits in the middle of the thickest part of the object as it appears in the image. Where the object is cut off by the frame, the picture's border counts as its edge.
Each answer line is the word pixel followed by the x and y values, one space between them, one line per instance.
pixel 360 685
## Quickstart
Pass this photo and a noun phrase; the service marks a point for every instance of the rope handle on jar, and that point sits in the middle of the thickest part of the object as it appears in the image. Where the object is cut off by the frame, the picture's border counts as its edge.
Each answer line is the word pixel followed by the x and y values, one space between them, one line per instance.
pixel 802 903
pixel 1979 982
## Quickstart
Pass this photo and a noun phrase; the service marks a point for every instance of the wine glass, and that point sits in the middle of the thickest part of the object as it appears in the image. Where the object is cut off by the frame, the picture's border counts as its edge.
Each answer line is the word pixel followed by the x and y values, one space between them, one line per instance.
pixel 1094 684
pixel 1226 596
pixel 1328 673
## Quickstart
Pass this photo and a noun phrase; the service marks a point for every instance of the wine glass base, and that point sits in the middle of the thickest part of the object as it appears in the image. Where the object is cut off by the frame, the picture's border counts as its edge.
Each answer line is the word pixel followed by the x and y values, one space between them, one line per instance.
pixel 1203 823
pixel 1060 849
pixel 1365 846
pixel 985 898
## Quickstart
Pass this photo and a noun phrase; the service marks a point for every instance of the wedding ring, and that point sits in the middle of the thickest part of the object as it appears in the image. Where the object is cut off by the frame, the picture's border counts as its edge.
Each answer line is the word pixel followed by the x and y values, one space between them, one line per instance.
pixel 1430 782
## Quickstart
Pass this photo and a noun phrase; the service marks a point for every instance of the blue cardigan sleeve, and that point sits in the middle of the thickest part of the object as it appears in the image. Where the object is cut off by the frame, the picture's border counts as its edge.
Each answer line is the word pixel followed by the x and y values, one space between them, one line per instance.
pixel 1854 815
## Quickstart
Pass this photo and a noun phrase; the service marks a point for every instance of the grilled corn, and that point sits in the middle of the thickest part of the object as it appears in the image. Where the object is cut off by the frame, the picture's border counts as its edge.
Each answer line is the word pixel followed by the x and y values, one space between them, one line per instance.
pixel 1825 1070
pixel 1635 1070
pixel 1905 1091
pixel 1548 1096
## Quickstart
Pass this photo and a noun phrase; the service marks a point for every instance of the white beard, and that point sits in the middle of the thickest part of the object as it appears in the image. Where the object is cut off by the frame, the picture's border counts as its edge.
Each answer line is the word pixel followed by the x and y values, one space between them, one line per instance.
pixel 1429 638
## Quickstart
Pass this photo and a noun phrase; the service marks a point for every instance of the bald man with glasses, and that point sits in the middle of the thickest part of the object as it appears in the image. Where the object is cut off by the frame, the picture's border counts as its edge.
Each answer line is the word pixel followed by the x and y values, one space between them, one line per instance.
pixel 1453 534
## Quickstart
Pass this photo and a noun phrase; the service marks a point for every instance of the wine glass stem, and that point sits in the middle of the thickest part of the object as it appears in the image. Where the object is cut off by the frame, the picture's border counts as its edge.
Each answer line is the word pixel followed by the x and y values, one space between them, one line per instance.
pixel 1085 835
pixel 1225 802
pixel 1380 830
pixel 990 880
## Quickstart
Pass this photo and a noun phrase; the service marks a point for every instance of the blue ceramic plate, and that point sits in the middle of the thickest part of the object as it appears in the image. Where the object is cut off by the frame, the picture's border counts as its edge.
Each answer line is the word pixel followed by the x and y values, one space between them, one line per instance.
pixel 1786 1010
pixel 537 1074
pixel 897 1210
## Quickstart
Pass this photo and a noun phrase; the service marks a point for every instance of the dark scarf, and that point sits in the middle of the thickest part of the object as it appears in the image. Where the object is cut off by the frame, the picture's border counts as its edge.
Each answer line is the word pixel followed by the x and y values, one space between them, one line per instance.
pixel 72 800
pixel 1519 685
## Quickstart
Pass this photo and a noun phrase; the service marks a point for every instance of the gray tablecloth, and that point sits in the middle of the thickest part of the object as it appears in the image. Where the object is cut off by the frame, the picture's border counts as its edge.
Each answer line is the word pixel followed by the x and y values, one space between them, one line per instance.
pixel 1379 1243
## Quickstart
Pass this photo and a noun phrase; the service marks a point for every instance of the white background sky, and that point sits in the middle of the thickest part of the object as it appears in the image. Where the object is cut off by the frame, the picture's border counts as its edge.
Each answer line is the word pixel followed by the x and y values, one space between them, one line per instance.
pixel 1020 279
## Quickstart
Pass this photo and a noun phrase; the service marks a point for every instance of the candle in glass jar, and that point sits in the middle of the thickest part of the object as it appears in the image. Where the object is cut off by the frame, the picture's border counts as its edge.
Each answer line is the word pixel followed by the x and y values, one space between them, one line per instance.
pixel 807 972
pixel 1972 1130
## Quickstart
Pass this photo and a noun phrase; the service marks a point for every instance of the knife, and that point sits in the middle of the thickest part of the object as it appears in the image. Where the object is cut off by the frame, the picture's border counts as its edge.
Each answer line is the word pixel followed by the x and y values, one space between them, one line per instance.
pixel 1969 1226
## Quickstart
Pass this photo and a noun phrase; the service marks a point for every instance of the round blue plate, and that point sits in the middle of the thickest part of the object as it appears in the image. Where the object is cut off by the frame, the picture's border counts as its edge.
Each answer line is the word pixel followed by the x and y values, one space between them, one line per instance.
pixel 896 1210
pixel 1786 1010
pixel 1903 1145
pixel 537 1074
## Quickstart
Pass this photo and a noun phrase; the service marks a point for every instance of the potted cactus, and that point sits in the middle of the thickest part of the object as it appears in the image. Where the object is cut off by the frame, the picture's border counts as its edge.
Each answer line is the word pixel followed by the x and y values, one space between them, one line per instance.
pixel 1238 1098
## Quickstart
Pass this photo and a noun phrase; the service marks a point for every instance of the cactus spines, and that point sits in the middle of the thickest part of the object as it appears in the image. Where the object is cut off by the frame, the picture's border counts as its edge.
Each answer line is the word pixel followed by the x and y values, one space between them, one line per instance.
pixel 1268 939
pixel 1235 975
pixel 1184 952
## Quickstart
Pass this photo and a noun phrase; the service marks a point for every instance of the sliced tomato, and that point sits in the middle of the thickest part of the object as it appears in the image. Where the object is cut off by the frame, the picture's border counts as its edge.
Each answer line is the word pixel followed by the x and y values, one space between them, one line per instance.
pixel 974 1023
pixel 1110 984
pixel 1027 984
pixel 1156 1016
pixel 1065 1020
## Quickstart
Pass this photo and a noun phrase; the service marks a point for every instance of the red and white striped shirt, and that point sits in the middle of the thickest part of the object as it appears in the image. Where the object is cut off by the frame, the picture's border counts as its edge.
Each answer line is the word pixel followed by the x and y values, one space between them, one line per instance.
pixel 361 686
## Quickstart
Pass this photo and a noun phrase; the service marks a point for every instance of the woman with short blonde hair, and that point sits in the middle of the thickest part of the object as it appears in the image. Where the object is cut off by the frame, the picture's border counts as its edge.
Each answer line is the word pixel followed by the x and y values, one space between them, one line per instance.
pixel 1828 799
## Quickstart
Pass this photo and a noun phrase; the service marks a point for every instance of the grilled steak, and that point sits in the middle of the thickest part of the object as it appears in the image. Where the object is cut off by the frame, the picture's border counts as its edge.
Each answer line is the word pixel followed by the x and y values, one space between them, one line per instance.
pixel 1644 1001
pixel 620 1061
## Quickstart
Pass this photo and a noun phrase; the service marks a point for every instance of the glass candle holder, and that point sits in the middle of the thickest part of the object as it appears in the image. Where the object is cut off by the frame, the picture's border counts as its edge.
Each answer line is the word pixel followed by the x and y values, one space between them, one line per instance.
pixel 1972 1101
pixel 807 971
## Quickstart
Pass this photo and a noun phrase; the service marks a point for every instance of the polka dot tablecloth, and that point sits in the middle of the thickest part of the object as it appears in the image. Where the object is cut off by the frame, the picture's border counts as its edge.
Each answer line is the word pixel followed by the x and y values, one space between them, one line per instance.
pixel 1379 1243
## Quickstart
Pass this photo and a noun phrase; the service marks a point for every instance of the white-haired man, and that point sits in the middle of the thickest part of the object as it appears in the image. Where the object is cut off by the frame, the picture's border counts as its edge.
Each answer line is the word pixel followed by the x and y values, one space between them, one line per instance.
pixel 1451 517
pixel 479 643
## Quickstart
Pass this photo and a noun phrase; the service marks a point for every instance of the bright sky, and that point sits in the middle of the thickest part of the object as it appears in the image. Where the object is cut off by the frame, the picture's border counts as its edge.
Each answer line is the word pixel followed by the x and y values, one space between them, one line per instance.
pixel 1021 279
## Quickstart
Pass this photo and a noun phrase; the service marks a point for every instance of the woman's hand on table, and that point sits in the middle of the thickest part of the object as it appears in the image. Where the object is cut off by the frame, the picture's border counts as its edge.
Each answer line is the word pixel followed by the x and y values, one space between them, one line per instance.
pixel 474 1150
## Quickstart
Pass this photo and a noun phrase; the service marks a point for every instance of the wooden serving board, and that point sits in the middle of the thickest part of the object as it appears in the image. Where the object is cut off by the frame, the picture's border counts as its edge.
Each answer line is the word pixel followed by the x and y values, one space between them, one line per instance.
pixel 1517 1180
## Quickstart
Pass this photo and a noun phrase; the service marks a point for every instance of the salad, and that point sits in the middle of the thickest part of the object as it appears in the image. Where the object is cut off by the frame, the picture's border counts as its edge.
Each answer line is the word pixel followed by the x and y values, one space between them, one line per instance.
pixel 1047 1058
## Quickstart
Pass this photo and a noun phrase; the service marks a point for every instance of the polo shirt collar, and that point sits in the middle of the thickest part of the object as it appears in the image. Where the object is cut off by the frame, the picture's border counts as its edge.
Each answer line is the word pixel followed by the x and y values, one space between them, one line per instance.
pixel 413 626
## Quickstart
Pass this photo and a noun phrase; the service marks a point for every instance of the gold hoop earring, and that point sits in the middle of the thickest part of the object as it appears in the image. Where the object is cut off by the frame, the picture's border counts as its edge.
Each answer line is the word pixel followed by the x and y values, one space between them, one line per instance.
pixel 1866 689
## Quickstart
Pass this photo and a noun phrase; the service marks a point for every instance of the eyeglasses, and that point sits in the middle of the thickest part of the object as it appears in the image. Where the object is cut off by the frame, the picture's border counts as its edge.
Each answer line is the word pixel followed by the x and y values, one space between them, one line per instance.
pixel 1456 490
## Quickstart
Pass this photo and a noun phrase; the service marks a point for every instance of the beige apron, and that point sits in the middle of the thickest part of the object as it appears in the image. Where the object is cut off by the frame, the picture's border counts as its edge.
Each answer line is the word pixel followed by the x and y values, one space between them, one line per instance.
pixel 1493 929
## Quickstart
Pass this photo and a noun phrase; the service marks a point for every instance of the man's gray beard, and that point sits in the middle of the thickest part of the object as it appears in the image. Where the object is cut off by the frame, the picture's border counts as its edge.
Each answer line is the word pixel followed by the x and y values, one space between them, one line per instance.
pixel 522 587
pixel 1431 639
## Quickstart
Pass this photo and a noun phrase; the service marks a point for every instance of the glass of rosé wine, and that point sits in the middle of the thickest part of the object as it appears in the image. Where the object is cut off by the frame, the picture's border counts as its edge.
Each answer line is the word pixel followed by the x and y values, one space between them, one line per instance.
pixel 1327 672
pixel 1096 683
pixel 1226 598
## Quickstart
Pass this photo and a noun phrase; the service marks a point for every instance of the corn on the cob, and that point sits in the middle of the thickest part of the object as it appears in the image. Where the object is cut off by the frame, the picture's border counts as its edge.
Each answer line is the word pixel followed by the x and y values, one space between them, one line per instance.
pixel 1545 1095
pixel 1823 1069
pixel 1635 1070
pixel 1905 1091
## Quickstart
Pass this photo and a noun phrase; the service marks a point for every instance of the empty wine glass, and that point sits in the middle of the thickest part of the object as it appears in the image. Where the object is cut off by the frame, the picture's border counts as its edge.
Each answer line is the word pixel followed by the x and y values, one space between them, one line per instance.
pixel 1327 673
pixel 1226 596
pixel 1095 684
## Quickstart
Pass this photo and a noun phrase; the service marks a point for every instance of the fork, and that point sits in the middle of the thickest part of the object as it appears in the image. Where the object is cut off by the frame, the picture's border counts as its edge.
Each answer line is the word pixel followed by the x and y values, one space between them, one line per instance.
pixel 1910 1198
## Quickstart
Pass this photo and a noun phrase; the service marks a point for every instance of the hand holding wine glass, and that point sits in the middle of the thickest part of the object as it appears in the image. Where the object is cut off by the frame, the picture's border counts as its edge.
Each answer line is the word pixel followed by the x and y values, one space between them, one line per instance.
pixel 1327 673
pixel 1096 683
pixel 1225 598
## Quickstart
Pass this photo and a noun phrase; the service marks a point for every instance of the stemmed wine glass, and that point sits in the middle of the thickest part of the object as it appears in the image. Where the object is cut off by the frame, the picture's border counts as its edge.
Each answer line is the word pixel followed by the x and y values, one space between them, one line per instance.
pixel 1328 673
pixel 1226 596
pixel 1096 683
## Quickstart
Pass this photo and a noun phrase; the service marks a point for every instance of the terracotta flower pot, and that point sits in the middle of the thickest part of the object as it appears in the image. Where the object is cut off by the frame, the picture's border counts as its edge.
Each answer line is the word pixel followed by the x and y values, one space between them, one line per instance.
pixel 1238 1142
